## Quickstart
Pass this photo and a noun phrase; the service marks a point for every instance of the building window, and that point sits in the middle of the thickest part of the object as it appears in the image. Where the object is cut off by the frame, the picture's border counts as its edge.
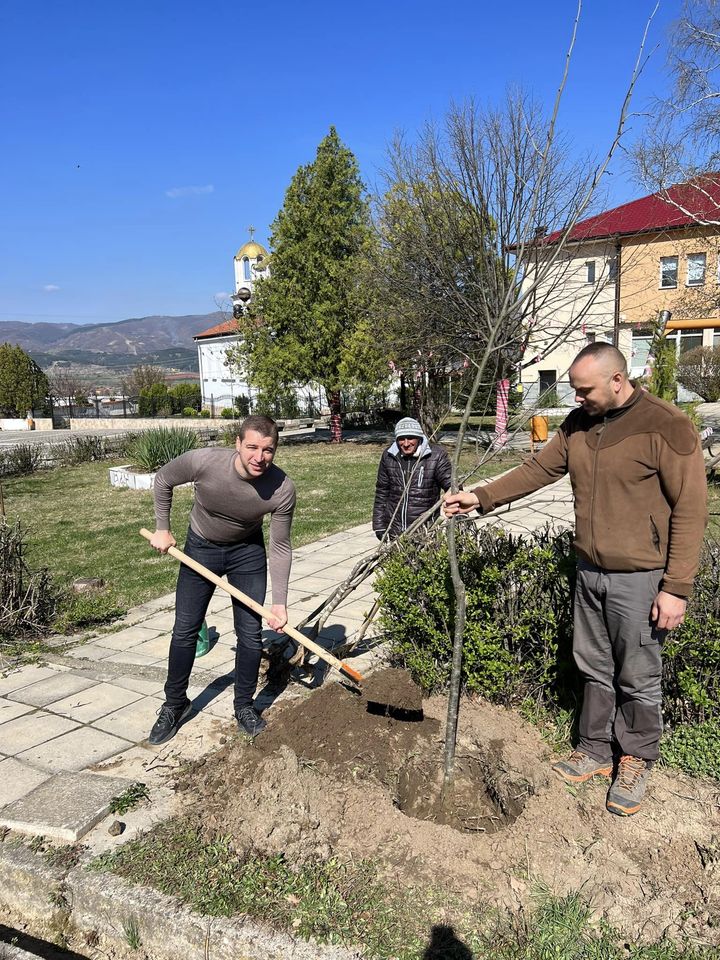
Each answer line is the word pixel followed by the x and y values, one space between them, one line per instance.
pixel 689 339
pixel 640 352
pixel 668 272
pixel 695 269
pixel 590 271
pixel 612 270
pixel 246 268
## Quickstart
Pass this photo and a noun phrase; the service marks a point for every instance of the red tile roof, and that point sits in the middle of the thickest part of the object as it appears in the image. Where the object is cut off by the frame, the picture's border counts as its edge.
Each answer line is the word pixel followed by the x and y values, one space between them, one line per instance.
pixel 219 330
pixel 679 206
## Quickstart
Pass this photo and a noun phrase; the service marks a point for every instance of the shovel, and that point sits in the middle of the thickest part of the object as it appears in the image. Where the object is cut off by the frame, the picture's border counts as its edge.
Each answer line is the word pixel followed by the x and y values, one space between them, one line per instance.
pixel 263 611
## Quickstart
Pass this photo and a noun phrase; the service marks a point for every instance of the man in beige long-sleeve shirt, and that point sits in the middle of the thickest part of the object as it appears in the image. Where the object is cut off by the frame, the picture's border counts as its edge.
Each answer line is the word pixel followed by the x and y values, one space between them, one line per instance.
pixel 638 480
pixel 234 490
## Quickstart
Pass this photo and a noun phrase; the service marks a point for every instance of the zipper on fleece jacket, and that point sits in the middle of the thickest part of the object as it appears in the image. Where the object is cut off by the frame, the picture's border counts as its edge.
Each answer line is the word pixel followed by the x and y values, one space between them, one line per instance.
pixel 600 431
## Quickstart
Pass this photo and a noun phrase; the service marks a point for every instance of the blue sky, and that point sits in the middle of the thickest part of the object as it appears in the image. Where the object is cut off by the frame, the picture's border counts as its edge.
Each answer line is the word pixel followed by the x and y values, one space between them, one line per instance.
pixel 139 139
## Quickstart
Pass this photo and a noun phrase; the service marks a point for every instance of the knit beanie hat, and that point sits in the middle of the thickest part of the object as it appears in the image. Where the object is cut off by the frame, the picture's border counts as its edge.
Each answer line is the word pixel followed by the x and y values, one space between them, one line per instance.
pixel 408 427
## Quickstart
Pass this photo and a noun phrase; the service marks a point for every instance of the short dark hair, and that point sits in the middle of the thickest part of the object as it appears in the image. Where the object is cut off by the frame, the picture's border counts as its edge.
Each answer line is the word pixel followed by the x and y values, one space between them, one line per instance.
pixel 601 350
pixel 263 425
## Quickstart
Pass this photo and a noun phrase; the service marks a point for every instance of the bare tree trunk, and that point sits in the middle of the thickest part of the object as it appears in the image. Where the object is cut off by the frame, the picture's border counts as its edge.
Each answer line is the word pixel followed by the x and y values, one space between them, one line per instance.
pixel 335 419
pixel 456 666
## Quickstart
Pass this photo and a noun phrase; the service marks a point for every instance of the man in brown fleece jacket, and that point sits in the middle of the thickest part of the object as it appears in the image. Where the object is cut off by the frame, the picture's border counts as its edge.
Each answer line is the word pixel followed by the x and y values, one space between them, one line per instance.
pixel 638 481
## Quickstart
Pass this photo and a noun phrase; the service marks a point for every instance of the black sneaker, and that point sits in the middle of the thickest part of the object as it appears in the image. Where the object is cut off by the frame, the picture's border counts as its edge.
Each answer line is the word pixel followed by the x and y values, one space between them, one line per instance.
pixel 249 721
pixel 168 722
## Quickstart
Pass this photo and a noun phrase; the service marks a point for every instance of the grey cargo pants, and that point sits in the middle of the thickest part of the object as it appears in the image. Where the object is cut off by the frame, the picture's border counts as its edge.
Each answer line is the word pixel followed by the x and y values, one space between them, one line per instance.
pixel 617 651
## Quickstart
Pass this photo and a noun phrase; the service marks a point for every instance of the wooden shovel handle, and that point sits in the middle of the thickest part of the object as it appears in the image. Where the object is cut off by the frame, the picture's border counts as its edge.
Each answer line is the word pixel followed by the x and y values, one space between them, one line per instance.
pixel 259 608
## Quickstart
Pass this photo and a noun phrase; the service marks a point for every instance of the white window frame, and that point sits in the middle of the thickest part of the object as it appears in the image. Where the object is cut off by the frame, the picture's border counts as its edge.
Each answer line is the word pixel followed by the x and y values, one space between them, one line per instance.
pixel 669 286
pixel 696 283
pixel 590 271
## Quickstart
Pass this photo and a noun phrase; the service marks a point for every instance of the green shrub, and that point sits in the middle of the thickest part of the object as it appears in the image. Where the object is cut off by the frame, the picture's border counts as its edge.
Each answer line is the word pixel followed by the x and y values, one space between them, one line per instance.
pixel 227 413
pixel 153 448
pixel 694 748
pixel 229 434
pixel 189 412
pixel 519 613
pixel 242 405
pixel 82 450
pixel 155 401
pixel 28 599
pixel 205 413
pixel 185 395
pixel 518 636
pixel 20 460
pixel 691 654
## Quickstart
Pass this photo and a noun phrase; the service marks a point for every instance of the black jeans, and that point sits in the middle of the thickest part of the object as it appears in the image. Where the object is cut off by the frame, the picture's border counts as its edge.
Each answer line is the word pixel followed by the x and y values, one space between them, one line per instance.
pixel 245 566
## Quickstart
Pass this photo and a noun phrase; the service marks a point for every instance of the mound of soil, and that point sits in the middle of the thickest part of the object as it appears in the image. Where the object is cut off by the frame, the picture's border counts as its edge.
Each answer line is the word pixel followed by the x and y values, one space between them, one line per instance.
pixel 331 778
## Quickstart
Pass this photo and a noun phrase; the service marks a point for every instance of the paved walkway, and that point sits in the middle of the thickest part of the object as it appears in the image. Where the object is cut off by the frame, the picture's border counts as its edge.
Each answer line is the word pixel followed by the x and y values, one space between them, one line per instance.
pixel 85 713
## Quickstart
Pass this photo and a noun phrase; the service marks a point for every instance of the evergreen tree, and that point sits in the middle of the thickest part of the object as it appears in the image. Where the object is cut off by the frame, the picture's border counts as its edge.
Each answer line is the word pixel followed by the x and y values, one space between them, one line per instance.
pixel 23 385
pixel 308 317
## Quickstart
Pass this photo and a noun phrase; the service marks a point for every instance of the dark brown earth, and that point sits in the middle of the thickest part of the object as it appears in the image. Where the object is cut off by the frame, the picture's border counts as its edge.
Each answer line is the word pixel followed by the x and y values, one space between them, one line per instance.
pixel 329 778
pixel 393 690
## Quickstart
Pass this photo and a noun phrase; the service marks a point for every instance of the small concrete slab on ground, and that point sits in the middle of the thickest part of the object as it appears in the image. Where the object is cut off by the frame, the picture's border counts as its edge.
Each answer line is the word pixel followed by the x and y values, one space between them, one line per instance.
pixel 64 807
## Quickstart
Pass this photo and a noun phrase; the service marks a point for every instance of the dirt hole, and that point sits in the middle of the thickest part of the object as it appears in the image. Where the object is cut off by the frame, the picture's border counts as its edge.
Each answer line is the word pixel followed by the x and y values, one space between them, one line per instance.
pixel 480 798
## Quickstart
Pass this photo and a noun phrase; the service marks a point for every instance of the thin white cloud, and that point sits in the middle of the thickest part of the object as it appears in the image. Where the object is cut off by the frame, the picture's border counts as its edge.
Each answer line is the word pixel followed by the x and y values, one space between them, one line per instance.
pixel 50 287
pixel 221 296
pixel 175 192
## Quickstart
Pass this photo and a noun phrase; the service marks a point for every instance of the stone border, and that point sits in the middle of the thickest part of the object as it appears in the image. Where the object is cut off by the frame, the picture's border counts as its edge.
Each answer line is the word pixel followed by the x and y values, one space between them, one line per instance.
pixel 126 476
pixel 76 902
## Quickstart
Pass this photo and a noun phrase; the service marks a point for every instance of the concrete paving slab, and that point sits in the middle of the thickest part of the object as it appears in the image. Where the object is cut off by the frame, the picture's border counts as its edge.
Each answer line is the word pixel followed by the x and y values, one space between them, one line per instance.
pixel 91 651
pixel 220 601
pixel 133 764
pixel 155 648
pixel 32 729
pixel 215 658
pixel 17 779
pixel 24 677
pixel 134 721
pixel 161 622
pixel 150 688
pixel 217 706
pixel 131 658
pixel 315 584
pixel 47 691
pixel 64 807
pixel 129 637
pixel 74 751
pixel 95 702
pixel 200 734
pixel 9 709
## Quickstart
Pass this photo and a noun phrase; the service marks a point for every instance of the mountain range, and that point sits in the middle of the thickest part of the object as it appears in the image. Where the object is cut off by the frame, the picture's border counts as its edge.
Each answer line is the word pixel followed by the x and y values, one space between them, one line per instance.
pixel 164 341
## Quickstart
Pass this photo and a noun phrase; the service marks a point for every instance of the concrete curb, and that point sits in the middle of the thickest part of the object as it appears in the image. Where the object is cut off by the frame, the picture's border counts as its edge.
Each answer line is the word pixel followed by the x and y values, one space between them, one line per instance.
pixel 55 901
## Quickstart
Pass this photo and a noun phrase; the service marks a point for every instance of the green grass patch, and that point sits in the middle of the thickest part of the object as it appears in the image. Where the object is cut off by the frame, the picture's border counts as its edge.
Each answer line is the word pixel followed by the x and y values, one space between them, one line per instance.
pixel 79 526
pixel 135 794
pixel 694 748
pixel 346 903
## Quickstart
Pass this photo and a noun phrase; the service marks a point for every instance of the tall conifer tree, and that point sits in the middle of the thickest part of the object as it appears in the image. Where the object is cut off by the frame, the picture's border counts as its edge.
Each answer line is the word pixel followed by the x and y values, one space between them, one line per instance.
pixel 308 316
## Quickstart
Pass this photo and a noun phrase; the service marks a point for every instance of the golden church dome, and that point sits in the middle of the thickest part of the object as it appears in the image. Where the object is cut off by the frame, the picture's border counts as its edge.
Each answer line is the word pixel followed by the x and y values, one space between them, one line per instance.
pixel 251 250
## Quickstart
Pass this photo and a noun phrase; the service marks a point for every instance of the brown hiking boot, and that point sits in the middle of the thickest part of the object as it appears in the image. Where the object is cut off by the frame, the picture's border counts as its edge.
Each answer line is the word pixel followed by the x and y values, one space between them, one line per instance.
pixel 626 794
pixel 579 767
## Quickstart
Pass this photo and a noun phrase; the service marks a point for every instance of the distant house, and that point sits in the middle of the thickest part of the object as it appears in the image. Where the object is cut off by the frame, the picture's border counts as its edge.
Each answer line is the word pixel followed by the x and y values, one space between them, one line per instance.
pixel 620 269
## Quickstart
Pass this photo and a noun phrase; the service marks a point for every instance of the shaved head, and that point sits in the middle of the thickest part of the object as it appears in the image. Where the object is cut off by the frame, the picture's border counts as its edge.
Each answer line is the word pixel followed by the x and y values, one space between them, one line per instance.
pixel 605 355
pixel 599 377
